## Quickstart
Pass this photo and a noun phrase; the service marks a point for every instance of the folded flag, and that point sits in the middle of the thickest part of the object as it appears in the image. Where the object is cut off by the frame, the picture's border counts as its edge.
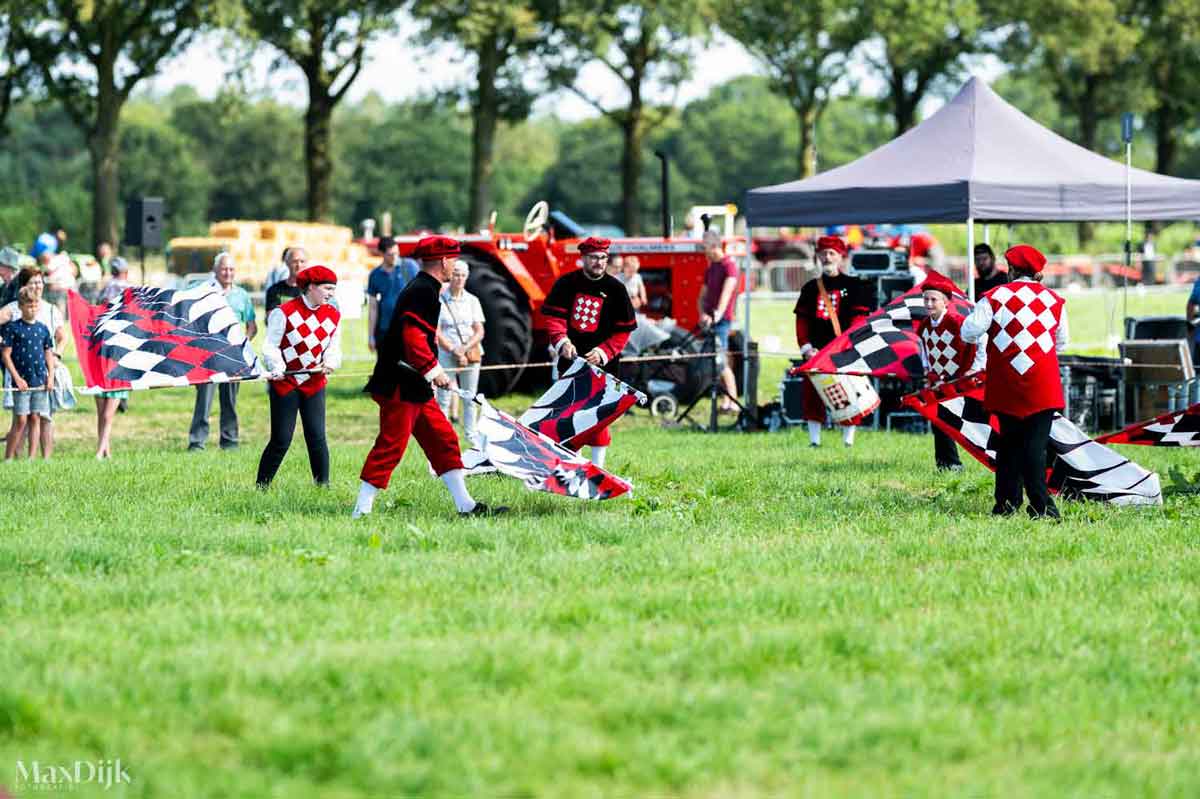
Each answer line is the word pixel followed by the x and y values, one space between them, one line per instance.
pixel 1175 429
pixel 583 399
pixel 540 463
pixel 1079 468
pixel 151 337
pixel 885 344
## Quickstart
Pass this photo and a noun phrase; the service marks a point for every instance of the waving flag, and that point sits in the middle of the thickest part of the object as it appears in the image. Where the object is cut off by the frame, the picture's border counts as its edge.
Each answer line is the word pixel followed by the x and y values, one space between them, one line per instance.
pixel 885 344
pixel 157 337
pixel 541 464
pixel 582 400
pixel 1080 468
pixel 1177 429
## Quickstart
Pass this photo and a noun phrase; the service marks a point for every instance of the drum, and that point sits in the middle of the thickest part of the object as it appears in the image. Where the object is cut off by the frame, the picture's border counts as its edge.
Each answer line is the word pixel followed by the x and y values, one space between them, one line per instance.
pixel 849 398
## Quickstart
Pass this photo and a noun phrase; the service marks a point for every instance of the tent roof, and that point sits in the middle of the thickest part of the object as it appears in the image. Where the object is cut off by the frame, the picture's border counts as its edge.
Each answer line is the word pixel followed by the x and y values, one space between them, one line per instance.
pixel 976 157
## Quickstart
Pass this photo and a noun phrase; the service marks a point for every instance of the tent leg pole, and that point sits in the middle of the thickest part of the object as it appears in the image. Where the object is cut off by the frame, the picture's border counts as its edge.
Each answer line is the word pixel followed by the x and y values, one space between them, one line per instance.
pixel 746 371
pixel 971 257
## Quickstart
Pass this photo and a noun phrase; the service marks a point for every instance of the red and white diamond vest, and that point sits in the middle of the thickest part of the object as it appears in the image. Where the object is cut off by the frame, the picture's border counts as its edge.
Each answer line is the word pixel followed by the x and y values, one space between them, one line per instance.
pixel 1022 365
pixel 949 356
pixel 306 334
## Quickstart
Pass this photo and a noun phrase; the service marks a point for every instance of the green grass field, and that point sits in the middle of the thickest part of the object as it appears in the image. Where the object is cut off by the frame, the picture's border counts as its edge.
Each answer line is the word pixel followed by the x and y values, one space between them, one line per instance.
pixel 759 619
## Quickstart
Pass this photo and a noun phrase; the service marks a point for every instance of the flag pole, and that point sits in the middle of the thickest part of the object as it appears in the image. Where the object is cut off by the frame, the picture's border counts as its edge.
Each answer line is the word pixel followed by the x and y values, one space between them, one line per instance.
pixel 971 258
pixel 1127 136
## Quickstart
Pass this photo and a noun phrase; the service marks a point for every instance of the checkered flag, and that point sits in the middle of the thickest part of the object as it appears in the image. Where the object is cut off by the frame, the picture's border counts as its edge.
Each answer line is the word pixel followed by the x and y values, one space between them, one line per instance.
pixel 1178 429
pixel 1080 468
pixel 149 337
pixel 885 344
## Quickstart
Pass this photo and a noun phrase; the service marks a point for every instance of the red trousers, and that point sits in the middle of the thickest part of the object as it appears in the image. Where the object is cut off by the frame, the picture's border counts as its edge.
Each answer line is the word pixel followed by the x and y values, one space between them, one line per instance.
pixel 813 406
pixel 398 420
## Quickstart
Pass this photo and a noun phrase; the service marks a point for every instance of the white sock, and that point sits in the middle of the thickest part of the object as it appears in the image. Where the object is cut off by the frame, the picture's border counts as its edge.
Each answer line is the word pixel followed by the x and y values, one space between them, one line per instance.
pixel 814 432
pixel 848 435
pixel 366 499
pixel 455 480
pixel 598 454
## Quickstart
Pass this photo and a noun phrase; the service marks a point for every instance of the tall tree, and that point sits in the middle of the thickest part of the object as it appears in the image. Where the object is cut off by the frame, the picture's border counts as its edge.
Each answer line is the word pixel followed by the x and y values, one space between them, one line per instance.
pixel 327 40
pixel 648 48
pixel 1170 53
pixel 15 69
pixel 917 43
pixel 500 36
pixel 89 56
pixel 804 48
pixel 1087 52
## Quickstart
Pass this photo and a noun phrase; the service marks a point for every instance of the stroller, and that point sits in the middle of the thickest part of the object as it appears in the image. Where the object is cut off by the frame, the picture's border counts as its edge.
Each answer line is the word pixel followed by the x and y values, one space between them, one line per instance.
pixel 673 381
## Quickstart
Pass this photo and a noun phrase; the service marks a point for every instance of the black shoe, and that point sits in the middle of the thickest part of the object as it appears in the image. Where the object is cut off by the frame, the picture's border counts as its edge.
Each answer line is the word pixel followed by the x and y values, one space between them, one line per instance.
pixel 195 447
pixel 949 467
pixel 1049 514
pixel 483 509
pixel 813 445
pixel 998 510
pixel 122 406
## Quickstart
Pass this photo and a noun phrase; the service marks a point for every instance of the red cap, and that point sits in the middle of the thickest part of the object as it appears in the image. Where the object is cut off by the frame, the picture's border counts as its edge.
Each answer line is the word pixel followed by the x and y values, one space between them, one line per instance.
pixel 936 281
pixel 832 243
pixel 315 275
pixel 593 244
pixel 431 248
pixel 1024 258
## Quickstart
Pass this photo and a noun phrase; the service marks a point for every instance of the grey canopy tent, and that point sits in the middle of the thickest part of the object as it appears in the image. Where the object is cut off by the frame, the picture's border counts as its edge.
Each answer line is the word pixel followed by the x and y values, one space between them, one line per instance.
pixel 977 159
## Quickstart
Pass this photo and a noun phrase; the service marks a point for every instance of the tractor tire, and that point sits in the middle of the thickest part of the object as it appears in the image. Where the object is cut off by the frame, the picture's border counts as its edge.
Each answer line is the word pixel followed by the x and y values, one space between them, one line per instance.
pixel 507 327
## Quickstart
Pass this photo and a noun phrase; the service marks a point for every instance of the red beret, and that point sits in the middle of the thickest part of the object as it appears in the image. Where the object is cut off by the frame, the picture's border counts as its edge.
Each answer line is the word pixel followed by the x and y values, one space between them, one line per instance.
pixel 315 275
pixel 936 281
pixel 593 244
pixel 1024 258
pixel 434 247
pixel 832 243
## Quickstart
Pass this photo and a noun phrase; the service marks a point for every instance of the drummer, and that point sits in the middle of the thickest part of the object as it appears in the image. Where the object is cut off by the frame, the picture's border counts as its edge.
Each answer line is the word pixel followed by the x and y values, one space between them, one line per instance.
pixel 827 307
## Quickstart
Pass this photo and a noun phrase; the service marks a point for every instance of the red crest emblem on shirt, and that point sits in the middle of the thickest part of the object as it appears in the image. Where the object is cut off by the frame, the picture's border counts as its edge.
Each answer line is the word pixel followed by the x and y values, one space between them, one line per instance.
pixel 835 299
pixel 585 316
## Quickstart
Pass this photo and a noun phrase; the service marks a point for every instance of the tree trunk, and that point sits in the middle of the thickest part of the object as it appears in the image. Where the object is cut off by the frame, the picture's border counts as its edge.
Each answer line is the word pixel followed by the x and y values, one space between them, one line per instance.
pixel 807 117
pixel 317 142
pixel 1166 139
pixel 1089 126
pixel 904 105
pixel 484 115
pixel 103 141
pixel 631 171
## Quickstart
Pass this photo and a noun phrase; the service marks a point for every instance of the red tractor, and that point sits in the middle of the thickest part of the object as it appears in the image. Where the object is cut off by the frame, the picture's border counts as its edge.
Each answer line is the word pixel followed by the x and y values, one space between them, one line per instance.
pixel 512 273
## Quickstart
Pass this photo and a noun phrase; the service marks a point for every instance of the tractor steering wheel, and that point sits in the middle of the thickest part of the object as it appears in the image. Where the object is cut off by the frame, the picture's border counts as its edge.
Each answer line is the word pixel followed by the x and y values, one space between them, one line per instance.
pixel 535 220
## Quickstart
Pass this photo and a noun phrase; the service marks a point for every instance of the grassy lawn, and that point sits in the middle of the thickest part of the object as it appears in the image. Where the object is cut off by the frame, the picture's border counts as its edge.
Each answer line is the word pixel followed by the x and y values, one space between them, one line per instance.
pixel 759 619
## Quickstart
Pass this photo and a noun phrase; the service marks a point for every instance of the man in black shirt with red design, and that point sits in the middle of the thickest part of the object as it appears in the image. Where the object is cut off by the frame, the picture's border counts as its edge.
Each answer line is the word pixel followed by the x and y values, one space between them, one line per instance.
pixel 589 315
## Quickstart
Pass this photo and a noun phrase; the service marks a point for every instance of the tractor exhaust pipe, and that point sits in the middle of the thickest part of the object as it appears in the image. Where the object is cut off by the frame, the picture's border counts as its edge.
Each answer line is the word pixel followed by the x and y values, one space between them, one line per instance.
pixel 666 193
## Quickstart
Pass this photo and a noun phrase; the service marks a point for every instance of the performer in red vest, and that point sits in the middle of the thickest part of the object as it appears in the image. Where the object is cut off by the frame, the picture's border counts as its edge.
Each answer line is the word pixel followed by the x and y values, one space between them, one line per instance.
pixel 1026 327
pixel 826 308
pixel 303 335
pixel 589 315
pixel 944 355
pixel 402 385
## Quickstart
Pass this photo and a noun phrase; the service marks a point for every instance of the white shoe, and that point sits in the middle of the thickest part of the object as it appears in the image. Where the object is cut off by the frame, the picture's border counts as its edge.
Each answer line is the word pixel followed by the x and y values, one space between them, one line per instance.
pixel 358 513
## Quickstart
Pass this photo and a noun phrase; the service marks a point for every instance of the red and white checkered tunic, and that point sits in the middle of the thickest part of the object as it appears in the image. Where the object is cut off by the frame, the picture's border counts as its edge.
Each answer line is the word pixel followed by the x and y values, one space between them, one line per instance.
pixel 1022 362
pixel 948 356
pixel 306 334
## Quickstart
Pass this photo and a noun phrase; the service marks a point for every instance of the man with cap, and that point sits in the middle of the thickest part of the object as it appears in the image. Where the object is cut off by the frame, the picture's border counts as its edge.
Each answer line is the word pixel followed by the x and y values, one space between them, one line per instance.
pixel 119 281
pixel 402 385
pixel 302 346
pixel 944 355
pixel 10 262
pixel 1026 327
pixel 589 315
pixel 987 276
pixel 827 307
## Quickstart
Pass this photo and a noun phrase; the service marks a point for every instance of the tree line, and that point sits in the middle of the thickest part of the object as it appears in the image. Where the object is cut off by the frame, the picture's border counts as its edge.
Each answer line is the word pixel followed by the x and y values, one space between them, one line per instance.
pixel 70 112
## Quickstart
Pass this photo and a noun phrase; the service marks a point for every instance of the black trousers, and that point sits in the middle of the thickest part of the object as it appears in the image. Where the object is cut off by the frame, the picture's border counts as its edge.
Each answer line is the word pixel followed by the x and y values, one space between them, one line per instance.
pixel 1021 461
pixel 945 451
pixel 283 426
